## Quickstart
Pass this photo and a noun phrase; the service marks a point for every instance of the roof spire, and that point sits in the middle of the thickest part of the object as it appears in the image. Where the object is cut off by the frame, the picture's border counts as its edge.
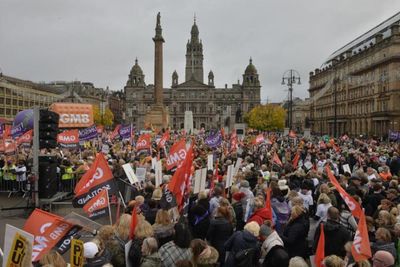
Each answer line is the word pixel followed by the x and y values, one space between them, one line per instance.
pixel 194 19
pixel 251 60
pixel 136 61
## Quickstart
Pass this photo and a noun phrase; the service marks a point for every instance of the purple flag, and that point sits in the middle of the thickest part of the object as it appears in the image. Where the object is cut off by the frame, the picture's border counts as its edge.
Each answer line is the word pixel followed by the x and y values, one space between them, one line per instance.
pixel 125 131
pixel 214 140
pixel 88 133
pixel 393 135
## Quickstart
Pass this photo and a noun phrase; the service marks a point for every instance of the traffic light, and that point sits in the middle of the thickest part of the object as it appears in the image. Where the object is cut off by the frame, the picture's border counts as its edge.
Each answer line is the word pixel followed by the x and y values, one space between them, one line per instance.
pixel 48 129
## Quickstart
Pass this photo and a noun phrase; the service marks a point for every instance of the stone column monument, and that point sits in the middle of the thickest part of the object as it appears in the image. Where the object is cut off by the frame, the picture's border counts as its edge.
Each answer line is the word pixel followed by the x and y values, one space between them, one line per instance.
pixel 158 116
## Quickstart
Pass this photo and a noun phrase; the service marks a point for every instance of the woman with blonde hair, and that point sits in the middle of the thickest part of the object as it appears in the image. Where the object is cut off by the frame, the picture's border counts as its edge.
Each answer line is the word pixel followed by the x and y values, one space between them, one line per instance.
pixel 163 227
pixel 333 261
pixel 203 255
pixel 324 203
pixel 150 258
pixel 295 234
pixel 53 258
pixel 386 220
pixel 142 231
pixel 122 226
pixel 324 189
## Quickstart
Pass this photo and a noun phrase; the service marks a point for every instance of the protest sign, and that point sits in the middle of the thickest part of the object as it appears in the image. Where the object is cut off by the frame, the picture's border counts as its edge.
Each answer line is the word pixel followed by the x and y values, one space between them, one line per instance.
pixel 17 246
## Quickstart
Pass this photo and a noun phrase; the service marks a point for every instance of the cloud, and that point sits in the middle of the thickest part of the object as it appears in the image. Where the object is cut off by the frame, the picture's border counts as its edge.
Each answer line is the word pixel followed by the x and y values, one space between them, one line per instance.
pixel 98 40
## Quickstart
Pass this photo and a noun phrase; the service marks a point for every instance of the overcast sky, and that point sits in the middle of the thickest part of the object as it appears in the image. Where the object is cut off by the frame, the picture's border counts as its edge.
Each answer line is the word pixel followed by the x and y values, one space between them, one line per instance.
pixel 97 40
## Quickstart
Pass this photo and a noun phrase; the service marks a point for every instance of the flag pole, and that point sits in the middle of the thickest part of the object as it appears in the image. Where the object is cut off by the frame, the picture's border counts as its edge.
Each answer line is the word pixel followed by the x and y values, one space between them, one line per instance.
pixel 109 208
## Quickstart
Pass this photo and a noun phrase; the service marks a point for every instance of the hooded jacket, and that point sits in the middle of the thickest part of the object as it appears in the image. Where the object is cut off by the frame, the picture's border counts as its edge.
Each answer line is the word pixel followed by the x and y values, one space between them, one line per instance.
pixel 240 241
pixel 219 231
pixel 259 216
pixel 336 236
pixel 271 241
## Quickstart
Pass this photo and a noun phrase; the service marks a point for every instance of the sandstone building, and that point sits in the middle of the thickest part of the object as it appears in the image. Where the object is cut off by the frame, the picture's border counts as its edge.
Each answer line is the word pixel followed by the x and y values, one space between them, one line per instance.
pixel 358 87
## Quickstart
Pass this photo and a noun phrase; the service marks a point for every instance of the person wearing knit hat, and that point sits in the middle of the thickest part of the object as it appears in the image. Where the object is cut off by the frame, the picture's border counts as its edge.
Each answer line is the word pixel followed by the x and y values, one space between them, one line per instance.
pixel 238 209
pixel 382 259
pixel 272 249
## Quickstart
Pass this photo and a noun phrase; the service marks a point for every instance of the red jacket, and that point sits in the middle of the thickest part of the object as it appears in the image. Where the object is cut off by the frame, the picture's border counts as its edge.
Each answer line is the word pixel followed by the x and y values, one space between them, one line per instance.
pixel 260 215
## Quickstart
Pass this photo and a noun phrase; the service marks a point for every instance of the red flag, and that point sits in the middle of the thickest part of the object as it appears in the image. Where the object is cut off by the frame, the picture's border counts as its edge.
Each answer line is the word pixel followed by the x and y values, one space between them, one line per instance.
pixel 277 160
pixel 361 249
pixel 115 133
pixel 177 154
pixel 268 203
pixel 177 184
pixel 234 141
pixel 134 222
pixel 7 131
pixel 353 205
pixel 99 176
pixel 10 146
pixel 48 230
pixel 320 253
pixel 292 134
pixel 143 142
pixel 223 133
pixel 259 139
pixel 296 160
pixel 163 140
pixel 97 206
pixel 25 138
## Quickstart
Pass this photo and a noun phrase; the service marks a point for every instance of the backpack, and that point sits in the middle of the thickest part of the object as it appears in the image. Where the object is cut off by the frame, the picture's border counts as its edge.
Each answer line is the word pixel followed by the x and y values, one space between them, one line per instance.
pixel 282 213
pixel 245 258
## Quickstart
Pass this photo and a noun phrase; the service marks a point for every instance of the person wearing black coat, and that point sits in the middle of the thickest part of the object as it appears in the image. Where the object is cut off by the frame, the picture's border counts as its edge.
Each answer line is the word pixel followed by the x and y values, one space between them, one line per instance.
pixel 199 217
pixel 242 240
pixel 336 235
pixel 295 233
pixel 219 231
pixel 372 201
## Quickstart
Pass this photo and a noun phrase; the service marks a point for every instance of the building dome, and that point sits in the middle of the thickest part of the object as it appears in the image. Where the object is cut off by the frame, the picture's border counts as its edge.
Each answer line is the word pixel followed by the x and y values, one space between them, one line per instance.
pixel 136 69
pixel 250 69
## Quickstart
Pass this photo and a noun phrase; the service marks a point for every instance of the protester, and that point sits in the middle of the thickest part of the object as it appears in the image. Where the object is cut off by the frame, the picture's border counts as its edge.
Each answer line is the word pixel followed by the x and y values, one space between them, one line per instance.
pixel 203 255
pixel 241 241
pixel 53 258
pixel 143 230
pixel 163 227
pixel 273 252
pixel 150 256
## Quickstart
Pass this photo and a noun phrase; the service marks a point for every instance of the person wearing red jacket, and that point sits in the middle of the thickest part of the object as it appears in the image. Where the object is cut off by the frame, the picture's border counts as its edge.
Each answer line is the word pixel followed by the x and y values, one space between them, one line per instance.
pixel 260 213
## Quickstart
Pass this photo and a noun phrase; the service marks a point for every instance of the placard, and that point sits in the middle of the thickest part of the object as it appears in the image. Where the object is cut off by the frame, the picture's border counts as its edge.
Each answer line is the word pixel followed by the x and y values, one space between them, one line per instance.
pixel 237 166
pixel 76 256
pixel 105 149
pixel 197 178
pixel 17 246
pixel 141 174
pixel 229 176
pixel 210 161
pixel 346 168
pixel 158 173
pixel 130 173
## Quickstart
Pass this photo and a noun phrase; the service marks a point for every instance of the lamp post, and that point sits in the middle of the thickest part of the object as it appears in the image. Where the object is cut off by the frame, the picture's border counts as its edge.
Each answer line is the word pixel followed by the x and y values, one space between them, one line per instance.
pixel 102 109
pixel 289 78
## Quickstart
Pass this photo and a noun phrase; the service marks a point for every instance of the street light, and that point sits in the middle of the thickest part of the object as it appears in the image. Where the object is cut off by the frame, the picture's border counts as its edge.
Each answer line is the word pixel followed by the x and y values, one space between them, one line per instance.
pixel 289 78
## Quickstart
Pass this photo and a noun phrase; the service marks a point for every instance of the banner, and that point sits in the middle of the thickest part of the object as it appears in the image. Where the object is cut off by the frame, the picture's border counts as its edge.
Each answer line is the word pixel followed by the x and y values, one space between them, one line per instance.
pixel 214 140
pixel 88 133
pixel 143 142
pixel 68 139
pixel 168 199
pixel 10 147
pixel 17 247
pixel 115 133
pixel 296 160
pixel 259 139
pixel 353 205
pixel 233 141
pixel 277 160
pixel 26 138
pixel 394 136
pixel 163 140
pixel 177 154
pixel 126 131
pixel 180 177
pixel 361 249
pixel 73 115
pixel 97 207
pixel 49 230
pixel 76 256
pixel 96 179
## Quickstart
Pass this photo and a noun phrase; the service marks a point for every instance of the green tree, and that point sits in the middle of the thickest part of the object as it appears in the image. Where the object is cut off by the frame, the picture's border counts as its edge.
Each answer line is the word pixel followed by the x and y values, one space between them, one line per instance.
pixel 266 118
pixel 108 117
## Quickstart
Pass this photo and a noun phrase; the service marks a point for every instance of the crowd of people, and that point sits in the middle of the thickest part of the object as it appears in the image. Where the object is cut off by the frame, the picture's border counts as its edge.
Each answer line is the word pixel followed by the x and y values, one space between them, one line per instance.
pixel 236 226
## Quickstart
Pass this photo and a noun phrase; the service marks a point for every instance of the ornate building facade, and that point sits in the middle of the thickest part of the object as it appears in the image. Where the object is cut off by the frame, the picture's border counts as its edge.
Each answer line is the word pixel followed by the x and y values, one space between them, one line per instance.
pixel 211 107
pixel 358 87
